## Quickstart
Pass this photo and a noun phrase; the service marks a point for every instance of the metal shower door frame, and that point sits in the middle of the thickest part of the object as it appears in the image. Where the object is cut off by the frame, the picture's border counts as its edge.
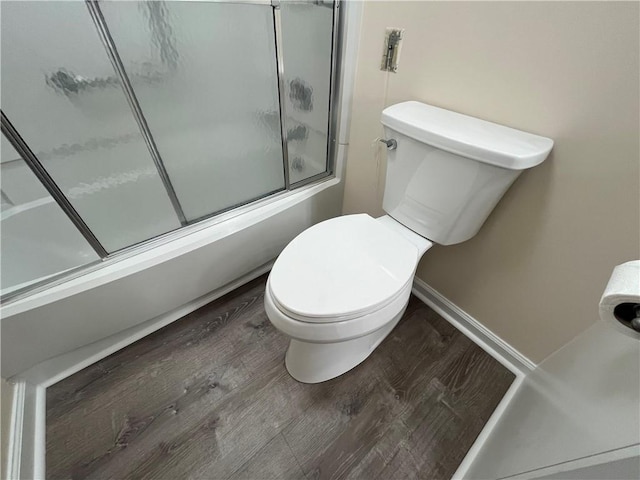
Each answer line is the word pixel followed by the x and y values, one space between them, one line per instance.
pixel 187 227
pixel 129 93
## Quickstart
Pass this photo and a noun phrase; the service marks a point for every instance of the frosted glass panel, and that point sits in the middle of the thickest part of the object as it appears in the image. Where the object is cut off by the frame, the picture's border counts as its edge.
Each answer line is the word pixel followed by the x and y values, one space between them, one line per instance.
pixel 61 93
pixel 307 35
pixel 37 239
pixel 205 76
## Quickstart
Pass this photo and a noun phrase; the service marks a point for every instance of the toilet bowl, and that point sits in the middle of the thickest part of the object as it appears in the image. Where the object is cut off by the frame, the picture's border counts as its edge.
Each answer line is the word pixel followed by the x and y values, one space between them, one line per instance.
pixel 347 298
pixel 340 287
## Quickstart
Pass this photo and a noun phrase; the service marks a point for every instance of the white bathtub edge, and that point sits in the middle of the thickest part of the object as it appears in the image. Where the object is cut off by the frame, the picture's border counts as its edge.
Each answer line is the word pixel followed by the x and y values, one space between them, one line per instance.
pixel 209 232
pixel 58 368
pixel 144 286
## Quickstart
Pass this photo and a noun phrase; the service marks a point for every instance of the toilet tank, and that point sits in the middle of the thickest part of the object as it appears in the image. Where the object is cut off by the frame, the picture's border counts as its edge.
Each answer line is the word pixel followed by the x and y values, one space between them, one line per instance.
pixel 449 170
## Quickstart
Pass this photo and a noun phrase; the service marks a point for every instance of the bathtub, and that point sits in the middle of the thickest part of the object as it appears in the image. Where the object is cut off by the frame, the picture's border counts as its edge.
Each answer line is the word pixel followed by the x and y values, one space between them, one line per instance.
pixel 165 276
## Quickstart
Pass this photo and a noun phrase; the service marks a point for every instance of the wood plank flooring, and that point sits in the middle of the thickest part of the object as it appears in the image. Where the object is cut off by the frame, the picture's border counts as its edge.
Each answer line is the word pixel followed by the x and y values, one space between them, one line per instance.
pixel 208 397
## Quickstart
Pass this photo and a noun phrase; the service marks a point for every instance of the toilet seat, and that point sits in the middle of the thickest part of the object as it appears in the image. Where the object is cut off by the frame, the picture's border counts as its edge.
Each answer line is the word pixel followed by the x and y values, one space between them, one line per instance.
pixel 337 331
pixel 341 269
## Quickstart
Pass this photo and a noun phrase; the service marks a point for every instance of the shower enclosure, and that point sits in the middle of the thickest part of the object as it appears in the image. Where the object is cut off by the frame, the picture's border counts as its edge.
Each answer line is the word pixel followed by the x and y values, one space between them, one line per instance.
pixel 126 123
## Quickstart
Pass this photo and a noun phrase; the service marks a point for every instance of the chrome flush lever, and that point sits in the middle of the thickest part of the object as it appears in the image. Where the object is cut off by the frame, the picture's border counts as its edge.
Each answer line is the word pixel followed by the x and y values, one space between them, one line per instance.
pixel 391 143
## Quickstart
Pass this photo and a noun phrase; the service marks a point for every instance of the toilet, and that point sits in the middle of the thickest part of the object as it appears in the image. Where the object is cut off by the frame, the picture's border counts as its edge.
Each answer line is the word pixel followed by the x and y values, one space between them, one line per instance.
pixel 342 285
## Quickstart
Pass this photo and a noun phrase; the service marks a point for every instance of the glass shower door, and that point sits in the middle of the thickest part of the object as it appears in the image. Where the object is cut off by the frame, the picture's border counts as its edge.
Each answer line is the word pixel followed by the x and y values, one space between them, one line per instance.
pixel 307 33
pixel 61 93
pixel 142 117
pixel 206 79
pixel 33 225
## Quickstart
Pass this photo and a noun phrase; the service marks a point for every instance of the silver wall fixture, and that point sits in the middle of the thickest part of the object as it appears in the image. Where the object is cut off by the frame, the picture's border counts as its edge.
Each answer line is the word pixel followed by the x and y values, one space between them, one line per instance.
pixel 391 143
pixel 391 54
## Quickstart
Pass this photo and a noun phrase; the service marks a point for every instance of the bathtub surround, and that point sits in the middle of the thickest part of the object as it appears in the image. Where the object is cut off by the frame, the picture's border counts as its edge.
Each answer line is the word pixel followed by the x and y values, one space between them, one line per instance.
pixel 208 397
pixel 141 293
pixel 566 70
pixel 138 292
pixel 144 288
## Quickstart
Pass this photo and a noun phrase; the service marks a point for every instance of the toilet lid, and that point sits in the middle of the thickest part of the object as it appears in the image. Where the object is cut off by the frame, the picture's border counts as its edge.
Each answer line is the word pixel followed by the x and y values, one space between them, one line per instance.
pixel 343 267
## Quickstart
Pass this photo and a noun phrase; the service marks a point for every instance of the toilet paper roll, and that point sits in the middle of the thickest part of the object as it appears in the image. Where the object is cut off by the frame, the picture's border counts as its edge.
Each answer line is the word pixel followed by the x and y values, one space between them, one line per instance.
pixel 617 305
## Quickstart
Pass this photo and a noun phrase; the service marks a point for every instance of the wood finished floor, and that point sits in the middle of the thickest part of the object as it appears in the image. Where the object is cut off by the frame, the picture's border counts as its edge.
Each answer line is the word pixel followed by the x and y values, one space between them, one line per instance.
pixel 208 397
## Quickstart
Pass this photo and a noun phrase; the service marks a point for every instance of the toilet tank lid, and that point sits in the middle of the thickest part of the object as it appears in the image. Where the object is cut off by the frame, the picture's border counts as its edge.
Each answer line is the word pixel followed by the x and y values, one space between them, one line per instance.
pixel 467 136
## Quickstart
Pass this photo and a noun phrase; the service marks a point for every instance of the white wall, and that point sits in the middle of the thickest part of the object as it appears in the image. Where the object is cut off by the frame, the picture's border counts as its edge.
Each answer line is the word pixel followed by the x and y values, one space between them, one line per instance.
pixel 566 70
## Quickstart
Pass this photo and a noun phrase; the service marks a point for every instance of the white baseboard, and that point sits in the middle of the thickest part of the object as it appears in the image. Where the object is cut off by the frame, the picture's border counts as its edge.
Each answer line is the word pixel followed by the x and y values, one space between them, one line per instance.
pixel 14 447
pixel 26 449
pixel 504 353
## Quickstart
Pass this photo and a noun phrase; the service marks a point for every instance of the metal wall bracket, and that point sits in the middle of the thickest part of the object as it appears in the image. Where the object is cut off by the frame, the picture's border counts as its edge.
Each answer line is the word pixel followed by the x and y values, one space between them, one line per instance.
pixel 391 53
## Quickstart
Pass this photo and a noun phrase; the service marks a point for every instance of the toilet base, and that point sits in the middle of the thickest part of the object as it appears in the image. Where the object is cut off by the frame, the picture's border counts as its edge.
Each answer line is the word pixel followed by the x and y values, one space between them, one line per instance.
pixel 318 362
